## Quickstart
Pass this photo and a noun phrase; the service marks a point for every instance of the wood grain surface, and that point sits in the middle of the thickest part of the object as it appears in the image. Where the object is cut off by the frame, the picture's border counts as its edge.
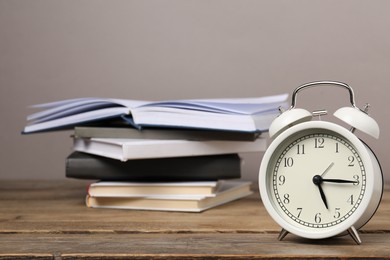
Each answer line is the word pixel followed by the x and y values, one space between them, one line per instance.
pixel 49 220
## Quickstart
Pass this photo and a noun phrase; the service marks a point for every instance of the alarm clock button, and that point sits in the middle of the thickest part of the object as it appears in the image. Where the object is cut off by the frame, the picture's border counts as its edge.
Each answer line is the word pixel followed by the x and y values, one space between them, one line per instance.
pixel 359 120
pixel 287 119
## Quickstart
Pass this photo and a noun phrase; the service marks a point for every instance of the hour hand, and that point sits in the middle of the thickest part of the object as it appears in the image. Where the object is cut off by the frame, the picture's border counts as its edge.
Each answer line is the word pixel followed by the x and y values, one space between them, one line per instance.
pixel 317 180
pixel 339 181
pixel 322 195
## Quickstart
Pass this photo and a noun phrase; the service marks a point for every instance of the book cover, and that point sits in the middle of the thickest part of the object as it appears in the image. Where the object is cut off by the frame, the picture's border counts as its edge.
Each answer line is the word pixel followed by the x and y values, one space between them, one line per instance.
pixel 229 191
pixel 128 149
pixel 198 168
pixel 240 114
pixel 148 189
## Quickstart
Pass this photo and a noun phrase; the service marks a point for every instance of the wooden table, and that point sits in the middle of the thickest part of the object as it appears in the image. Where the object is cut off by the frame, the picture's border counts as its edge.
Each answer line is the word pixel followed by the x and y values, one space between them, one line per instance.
pixel 49 220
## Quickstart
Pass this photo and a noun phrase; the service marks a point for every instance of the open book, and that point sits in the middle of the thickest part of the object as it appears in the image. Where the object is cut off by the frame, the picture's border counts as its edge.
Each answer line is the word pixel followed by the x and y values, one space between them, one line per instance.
pixel 242 114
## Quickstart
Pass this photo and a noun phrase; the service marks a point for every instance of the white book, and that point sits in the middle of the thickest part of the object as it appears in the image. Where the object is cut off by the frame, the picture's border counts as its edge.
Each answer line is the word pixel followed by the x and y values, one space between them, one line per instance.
pixel 128 149
pixel 229 191
pixel 171 133
pixel 153 189
pixel 240 114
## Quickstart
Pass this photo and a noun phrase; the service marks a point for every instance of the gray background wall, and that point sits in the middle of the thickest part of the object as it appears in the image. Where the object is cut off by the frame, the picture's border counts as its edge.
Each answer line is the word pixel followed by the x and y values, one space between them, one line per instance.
pixel 173 49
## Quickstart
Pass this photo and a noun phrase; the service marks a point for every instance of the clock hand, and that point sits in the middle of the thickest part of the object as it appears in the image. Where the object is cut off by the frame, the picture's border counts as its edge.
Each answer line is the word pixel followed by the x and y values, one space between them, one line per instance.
pixel 317 180
pixel 338 181
pixel 327 169
pixel 322 195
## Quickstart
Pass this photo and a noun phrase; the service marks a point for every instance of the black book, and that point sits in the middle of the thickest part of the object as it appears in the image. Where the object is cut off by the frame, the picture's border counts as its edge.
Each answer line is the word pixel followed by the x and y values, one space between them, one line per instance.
pixel 196 168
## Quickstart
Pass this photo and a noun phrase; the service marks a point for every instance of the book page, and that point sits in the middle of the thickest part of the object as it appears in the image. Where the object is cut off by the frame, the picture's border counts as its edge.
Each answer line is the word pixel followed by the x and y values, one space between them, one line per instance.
pixel 245 106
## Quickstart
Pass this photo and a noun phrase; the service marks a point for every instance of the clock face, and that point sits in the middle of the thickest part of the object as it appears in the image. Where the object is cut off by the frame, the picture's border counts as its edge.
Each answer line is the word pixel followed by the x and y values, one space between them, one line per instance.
pixel 316 179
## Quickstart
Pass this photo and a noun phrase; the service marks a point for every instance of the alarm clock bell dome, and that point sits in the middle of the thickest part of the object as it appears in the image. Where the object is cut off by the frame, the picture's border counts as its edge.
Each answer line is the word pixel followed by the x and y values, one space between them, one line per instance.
pixel 359 120
pixel 287 119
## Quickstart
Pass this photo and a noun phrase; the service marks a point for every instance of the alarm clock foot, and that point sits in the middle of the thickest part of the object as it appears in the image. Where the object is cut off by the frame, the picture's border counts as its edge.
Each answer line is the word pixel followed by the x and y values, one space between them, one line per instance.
pixel 282 234
pixel 355 235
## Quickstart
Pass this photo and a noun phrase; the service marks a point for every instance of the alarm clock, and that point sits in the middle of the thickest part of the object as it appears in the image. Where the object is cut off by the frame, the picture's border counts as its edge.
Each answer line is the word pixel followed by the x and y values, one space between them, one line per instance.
pixel 317 179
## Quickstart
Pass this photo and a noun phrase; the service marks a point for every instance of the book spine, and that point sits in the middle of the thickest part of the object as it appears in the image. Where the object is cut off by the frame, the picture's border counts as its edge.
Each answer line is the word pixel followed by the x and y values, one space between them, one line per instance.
pixel 197 168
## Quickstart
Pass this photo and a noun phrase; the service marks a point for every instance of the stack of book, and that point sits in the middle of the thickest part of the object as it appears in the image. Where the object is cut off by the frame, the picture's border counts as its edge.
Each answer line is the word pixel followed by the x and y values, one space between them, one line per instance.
pixel 165 196
pixel 173 155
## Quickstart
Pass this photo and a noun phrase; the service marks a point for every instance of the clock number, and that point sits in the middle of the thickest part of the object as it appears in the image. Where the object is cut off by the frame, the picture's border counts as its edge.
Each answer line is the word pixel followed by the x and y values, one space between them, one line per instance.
pixel 300 149
pixel 299 212
pixel 350 200
pixel 317 218
pixel 337 213
pixel 286 199
pixel 319 142
pixel 337 147
pixel 351 160
pixel 356 178
pixel 282 180
pixel 288 162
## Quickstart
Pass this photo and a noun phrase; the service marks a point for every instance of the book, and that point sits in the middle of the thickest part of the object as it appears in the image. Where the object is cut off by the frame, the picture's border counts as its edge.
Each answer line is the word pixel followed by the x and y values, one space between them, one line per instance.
pixel 129 149
pixel 186 134
pixel 197 168
pixel 145 189
pixel 229 191
pixel 240 114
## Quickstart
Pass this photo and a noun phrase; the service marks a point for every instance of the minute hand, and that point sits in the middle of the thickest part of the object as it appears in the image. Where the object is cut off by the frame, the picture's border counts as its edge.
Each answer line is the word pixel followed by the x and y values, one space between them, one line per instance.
pixel 338 181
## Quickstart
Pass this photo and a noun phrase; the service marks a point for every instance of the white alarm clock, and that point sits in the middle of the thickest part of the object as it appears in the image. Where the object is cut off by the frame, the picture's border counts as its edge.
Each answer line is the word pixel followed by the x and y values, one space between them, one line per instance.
pixel 317 179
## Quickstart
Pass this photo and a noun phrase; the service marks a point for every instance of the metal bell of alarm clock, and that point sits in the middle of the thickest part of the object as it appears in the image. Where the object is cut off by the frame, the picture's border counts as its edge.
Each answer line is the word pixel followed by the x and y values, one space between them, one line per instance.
pixel 317 179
